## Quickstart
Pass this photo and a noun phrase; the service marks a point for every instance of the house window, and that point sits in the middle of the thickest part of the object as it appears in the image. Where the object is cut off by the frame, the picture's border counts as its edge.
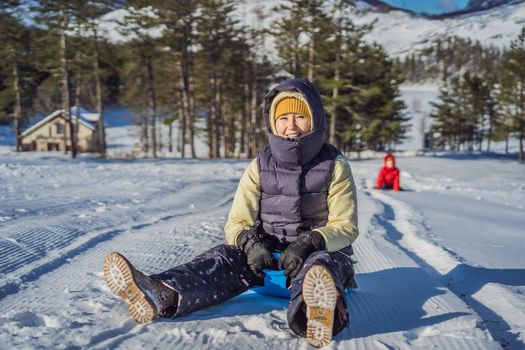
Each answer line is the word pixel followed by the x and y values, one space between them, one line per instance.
pixel 50 131
pixel 60 128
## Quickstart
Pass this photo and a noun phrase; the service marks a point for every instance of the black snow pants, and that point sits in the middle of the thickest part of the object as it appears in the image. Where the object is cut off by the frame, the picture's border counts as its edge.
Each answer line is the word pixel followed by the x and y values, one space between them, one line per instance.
pixel 222 273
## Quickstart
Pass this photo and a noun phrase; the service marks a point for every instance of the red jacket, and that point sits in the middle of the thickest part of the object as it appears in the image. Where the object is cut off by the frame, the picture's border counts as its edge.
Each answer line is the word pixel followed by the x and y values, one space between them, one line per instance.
pixel 388 177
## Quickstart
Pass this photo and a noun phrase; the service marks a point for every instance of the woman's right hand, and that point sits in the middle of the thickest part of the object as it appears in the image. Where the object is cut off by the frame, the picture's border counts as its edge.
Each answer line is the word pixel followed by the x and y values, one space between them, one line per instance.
pixel 258 251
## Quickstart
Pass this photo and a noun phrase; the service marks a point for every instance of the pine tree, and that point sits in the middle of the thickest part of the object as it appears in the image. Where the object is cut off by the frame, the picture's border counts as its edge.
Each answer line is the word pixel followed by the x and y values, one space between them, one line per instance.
pixel 302 34
pixel 377 109
pixel 180 18
pixel 58 16
pixel 512 94
pixel 143 56
pixel 257 71
pixel 14 49
pixel 447 117
pixel 491 108
pixel 339 55
pixel 87 17
pixel 216 33
pixel 289 39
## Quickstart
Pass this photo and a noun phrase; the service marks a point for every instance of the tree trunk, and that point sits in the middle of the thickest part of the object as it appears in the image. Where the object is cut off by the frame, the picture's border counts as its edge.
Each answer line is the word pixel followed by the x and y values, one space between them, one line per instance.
pixel 211 118
pixel 522 115
pixel 253 112
pixel 18 107
pixel 152 102
pixel 159 135
pixel 170 136
pixel 225 141
pixel 521 147
pixel 232 137
pixel 191 115
pixel 65 84
pixel 145 133
pixel 101 131
pixel 335 94
pixel 311 56
pixel 76 121
pixel 253 122
pixel 220 138
pixel 521 157
pixel 180 140
pixel 188 105
pixel 228 131
pixel 489 136
pixel 183 110
pixel 244 119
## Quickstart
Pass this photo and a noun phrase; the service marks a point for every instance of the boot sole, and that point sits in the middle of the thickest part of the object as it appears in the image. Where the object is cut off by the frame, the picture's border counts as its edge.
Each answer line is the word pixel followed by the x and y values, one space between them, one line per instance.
pixel 320 296
pixel 120 279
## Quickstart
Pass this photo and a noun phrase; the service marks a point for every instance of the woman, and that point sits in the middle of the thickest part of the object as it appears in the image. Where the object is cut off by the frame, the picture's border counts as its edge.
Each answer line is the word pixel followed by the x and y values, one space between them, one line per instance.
pixel 296 197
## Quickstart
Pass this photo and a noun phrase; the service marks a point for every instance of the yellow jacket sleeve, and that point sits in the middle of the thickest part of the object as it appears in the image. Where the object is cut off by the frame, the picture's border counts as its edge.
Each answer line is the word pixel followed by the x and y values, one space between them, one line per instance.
pixel 245 206
pixel 341 228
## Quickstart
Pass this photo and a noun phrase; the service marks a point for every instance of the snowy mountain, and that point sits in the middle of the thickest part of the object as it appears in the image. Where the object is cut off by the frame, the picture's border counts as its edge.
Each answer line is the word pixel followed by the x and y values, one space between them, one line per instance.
pixel 381 6
pixel 472 6
pixel 477 6
pixel 401 32
pixel 490 3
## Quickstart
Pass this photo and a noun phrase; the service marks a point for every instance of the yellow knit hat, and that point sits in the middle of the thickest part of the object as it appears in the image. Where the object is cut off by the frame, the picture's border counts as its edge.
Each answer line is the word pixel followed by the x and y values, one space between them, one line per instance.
pixel 290 104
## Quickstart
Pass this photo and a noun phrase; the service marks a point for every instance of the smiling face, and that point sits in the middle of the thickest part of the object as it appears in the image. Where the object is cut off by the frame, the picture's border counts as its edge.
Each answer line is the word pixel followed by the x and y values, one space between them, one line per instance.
pixel 292 125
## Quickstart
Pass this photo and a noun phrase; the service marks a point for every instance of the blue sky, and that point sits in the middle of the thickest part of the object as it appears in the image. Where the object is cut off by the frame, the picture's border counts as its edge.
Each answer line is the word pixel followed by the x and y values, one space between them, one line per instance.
pixel 429 6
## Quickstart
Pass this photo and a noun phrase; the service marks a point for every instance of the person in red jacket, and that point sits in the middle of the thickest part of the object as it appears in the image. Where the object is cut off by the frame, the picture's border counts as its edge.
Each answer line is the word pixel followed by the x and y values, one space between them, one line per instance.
pixel 388 177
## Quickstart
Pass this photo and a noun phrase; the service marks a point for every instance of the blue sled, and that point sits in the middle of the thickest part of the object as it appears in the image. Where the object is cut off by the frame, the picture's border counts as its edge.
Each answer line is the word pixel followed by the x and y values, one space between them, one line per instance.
pixel 274 283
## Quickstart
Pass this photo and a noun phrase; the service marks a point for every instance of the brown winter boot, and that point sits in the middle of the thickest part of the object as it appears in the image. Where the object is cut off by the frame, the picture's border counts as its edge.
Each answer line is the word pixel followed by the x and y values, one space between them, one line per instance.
pixel 320 296
pixel 147 297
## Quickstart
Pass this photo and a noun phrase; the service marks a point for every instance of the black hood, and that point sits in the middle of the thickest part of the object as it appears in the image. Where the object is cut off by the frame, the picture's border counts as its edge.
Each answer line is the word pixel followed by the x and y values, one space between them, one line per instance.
pixel 297 152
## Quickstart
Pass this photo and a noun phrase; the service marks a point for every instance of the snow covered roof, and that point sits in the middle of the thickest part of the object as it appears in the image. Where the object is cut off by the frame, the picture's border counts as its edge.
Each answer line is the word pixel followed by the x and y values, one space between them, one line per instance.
pixel 85 114
pixel 86 118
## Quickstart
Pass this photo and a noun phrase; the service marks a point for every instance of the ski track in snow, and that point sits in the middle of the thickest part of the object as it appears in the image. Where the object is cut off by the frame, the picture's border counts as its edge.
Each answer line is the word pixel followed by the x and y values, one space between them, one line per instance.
pixel 415 291
pixel 495 293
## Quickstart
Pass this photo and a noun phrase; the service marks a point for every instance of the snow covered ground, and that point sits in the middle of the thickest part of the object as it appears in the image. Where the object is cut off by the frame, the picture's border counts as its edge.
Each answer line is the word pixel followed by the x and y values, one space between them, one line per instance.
pixel 440 265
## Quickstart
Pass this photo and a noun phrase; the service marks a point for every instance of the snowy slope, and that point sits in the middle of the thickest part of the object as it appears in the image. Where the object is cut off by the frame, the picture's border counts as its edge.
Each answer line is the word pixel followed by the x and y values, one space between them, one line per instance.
pixel 430 274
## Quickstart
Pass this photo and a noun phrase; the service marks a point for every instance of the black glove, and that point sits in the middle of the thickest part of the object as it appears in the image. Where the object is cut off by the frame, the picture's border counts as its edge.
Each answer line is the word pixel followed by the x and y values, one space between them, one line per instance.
pixel 258 249
pixel 294 256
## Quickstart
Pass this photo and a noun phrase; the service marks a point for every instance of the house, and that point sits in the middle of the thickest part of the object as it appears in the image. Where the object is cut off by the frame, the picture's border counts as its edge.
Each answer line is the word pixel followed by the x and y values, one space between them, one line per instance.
pixel 48 134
